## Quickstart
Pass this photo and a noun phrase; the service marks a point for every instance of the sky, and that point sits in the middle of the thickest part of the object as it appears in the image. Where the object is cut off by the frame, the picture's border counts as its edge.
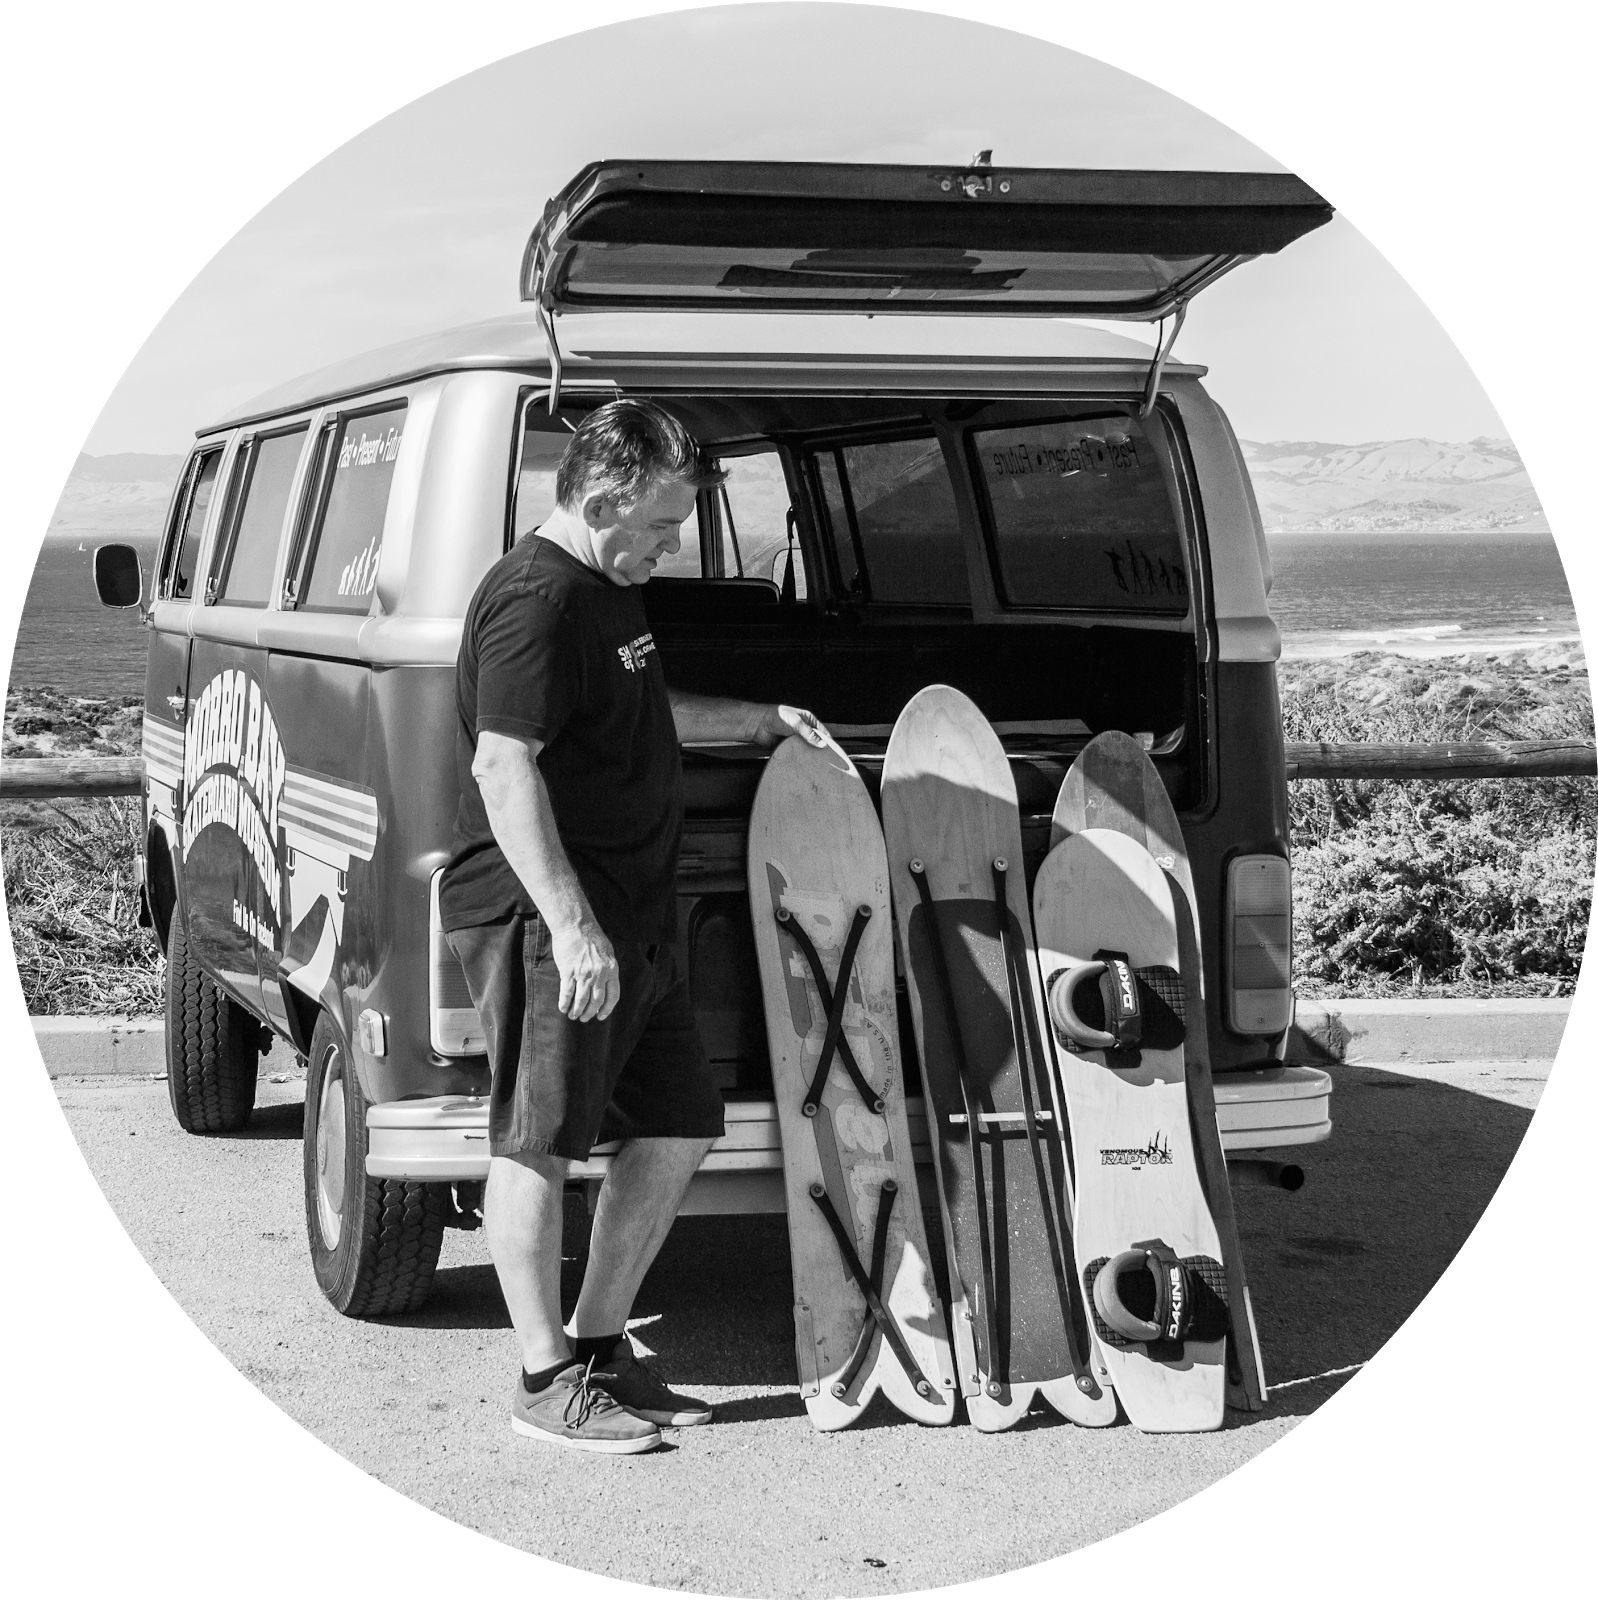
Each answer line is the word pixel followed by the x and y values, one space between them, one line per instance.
pixel 419 223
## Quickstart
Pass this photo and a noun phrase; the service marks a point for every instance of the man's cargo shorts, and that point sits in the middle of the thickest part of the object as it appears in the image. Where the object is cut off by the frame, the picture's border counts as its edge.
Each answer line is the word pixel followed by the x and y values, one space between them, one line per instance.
pixel 560 1087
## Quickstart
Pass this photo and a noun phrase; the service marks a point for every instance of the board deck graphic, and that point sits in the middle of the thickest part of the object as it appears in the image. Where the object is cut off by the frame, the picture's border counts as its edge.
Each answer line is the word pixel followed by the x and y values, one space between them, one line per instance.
pixel 953 835
pixel 1113 784
pixel 866 1308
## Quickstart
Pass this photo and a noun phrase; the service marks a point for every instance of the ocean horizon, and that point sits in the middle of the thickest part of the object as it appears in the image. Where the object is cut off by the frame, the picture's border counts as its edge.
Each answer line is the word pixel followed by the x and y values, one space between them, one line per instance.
pixel 1426 595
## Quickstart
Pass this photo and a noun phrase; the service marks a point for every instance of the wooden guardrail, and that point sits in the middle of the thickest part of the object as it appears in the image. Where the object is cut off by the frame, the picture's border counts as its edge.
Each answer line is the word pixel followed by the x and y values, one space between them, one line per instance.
pixel 84 777
pixel 1508 758
pixel 70 777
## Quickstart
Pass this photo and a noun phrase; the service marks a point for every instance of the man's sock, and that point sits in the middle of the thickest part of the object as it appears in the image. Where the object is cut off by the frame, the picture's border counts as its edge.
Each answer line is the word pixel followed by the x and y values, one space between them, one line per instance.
pixel 532 1382
pixel 584 1350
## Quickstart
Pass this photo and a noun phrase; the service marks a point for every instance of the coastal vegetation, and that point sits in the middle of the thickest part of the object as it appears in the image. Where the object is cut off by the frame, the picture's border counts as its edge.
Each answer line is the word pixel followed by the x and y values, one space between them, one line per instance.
pixel 1441 888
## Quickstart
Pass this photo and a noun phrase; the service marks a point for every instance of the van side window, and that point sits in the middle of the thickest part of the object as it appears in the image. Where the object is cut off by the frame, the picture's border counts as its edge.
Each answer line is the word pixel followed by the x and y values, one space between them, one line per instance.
pixel 749 519
pixel 357 476
pixel 1082 518
pixel 263 474
pixel 188 523
pixel 535 487
pixel 895 526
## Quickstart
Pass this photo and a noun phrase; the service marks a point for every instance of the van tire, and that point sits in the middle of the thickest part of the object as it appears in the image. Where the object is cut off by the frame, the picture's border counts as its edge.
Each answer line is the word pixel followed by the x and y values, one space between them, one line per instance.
pixel 374 1241
pixel 213 1050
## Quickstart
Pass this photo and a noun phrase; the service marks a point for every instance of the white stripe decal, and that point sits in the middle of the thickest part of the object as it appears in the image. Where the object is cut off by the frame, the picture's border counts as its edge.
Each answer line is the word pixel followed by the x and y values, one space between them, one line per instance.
pixel 333 826
pixel 362 815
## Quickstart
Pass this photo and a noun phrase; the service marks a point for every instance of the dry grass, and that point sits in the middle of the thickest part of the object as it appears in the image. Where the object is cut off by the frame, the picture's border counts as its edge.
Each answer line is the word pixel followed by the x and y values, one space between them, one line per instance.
pixel 73 908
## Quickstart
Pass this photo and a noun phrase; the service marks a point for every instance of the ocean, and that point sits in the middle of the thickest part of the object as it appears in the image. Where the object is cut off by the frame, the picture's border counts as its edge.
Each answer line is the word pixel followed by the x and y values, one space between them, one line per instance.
pixel 1415 594
pixel 1419 594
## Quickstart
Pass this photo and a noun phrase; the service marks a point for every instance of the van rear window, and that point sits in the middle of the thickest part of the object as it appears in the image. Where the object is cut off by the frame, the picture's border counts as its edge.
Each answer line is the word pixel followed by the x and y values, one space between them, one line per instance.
pixel 1082 518
pixel 357 476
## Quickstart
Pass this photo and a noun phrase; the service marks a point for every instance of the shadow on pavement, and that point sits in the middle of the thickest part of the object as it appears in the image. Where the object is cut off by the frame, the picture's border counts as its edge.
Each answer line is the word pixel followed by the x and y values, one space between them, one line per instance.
pixel 1336 1268
pixel 273 1122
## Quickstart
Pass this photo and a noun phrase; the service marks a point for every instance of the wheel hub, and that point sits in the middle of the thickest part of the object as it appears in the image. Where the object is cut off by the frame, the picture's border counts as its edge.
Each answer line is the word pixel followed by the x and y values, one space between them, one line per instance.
pixel 330 1152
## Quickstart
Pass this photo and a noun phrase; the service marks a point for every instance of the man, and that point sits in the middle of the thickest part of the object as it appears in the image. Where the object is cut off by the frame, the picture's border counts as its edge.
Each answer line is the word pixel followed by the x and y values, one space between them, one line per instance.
pixel 560 902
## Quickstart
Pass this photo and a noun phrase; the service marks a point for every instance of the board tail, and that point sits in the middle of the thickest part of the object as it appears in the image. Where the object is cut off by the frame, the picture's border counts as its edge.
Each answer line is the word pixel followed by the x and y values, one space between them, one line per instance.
pixel 1245 1369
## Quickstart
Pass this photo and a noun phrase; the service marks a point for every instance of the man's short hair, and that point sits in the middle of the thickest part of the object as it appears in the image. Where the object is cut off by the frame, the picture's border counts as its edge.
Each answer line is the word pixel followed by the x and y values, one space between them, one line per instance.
pixel 626 449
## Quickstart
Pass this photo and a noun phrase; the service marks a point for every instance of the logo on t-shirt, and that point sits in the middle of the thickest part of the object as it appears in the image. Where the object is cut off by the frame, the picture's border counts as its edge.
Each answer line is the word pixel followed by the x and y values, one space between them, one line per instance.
pixel 632 655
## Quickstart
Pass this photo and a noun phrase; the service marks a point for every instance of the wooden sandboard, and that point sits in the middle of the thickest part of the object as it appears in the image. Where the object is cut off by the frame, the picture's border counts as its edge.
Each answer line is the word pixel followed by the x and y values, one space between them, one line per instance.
pixel 1113 784
pixel 949 805
pixel 1136 1173
pixel 816 857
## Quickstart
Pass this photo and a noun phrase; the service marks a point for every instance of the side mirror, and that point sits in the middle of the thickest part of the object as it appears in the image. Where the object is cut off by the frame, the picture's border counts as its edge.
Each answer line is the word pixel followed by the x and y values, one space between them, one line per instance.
pixel 118 578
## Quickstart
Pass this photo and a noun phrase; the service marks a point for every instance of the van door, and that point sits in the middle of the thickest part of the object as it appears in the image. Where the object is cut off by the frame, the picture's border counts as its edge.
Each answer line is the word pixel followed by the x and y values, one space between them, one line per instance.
pixel 825 237
pixel 331 895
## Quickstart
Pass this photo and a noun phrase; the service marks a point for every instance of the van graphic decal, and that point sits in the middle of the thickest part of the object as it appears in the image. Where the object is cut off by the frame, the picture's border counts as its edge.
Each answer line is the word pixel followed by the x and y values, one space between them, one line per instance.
pixel 163 752
pixel 298 829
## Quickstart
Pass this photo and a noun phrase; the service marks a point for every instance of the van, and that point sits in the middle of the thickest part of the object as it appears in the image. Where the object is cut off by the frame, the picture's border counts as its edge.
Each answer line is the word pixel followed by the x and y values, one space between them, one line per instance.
pixel 945 464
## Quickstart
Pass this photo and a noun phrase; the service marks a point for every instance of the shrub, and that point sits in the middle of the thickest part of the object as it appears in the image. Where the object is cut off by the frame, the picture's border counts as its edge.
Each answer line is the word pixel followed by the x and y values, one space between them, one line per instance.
pixel 1468 886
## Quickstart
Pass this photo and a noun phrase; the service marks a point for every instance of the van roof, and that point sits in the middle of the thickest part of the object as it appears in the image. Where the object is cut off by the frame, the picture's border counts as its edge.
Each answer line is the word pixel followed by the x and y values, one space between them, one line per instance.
pixel 652 348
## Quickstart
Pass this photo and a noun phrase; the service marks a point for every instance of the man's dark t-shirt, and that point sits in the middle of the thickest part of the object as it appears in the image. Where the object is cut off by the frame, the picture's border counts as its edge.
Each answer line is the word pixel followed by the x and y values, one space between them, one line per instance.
pixel 552 650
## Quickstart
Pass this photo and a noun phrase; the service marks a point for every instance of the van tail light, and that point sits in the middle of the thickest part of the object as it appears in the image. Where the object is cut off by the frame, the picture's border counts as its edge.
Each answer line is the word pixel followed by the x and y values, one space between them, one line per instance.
pixel 452 1022
pixel 1259 944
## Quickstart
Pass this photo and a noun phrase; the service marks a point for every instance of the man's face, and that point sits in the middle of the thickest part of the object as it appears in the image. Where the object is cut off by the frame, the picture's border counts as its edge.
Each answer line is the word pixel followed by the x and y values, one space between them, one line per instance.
pixel 629 541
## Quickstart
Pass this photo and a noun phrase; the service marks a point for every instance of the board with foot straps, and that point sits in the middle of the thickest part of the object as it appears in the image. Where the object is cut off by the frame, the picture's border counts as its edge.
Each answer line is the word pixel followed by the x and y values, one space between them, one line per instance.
pixel 1113 784
pixel 953 835
pixel 867 1313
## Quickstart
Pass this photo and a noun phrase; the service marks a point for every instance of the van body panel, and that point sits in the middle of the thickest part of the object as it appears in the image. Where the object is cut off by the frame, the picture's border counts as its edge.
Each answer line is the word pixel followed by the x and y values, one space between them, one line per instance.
pixel 753 353
pixel 1242 616
pixel 461 505
pixel 330 824
pixel 410 762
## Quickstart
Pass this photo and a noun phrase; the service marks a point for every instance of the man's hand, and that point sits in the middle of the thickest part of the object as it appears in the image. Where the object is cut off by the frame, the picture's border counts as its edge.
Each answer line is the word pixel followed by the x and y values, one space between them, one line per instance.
pixel 590 980
pixel 781 721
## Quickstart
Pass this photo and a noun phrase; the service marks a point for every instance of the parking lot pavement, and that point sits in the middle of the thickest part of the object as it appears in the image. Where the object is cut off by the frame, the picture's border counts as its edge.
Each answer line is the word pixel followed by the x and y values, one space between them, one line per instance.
pixel 759 1503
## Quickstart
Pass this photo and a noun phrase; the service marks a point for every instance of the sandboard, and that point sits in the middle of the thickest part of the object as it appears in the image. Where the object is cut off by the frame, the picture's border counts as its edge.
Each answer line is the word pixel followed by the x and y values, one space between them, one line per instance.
pixel 1113 784
pixel 953 836
pixel 867 1315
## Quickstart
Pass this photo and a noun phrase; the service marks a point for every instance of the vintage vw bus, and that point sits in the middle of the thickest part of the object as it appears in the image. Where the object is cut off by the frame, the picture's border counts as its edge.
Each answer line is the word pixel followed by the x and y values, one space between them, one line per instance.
pixel 944 465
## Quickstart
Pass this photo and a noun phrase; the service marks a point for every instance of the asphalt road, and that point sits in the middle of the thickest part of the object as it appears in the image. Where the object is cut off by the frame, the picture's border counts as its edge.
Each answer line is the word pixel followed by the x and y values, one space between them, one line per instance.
pixel 759 1503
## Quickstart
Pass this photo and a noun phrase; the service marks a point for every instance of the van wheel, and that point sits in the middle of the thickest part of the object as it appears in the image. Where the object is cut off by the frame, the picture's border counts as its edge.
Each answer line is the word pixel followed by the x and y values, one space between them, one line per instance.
pixel 213 1050
pixel 374 1241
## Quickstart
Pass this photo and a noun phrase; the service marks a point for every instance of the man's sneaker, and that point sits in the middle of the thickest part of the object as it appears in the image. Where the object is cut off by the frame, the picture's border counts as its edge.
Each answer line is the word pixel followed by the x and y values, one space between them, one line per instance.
pixel 631 1384
pixel 574 1411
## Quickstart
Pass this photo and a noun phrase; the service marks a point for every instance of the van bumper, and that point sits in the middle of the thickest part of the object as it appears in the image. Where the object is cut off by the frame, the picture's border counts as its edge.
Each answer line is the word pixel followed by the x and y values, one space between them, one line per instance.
pixel 445 1139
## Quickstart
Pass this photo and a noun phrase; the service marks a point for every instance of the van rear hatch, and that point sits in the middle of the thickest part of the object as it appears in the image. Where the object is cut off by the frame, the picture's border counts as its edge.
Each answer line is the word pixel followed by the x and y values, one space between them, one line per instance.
pixel 830 237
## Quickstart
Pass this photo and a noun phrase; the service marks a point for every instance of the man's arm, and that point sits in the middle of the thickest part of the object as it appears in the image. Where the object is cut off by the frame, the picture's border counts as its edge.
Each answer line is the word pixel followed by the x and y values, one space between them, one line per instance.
pixel 523 824
pixel 703 718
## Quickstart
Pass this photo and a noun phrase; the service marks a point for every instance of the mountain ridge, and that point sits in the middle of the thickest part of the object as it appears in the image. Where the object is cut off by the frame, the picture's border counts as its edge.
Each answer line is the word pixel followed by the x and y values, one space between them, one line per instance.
pixel 1303 486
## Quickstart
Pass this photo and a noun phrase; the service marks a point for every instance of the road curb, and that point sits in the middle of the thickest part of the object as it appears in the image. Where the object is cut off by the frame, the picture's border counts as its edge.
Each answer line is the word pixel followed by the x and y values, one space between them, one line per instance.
pixel 91 1047
pixel 1327 1031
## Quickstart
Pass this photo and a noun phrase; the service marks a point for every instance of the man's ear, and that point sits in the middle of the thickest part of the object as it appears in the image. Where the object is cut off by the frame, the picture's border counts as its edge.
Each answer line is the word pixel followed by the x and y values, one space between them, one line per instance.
pixel 598 510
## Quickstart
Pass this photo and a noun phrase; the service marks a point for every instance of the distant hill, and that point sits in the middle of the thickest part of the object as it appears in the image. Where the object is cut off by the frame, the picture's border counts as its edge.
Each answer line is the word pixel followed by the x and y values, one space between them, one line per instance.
pixel 1304 486
pixel 1307 486
pixel 115 497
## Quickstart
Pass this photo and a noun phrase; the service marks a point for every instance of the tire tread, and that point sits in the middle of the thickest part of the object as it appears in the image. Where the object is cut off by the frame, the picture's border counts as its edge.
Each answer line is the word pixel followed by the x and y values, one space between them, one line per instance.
pixel 212 1050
